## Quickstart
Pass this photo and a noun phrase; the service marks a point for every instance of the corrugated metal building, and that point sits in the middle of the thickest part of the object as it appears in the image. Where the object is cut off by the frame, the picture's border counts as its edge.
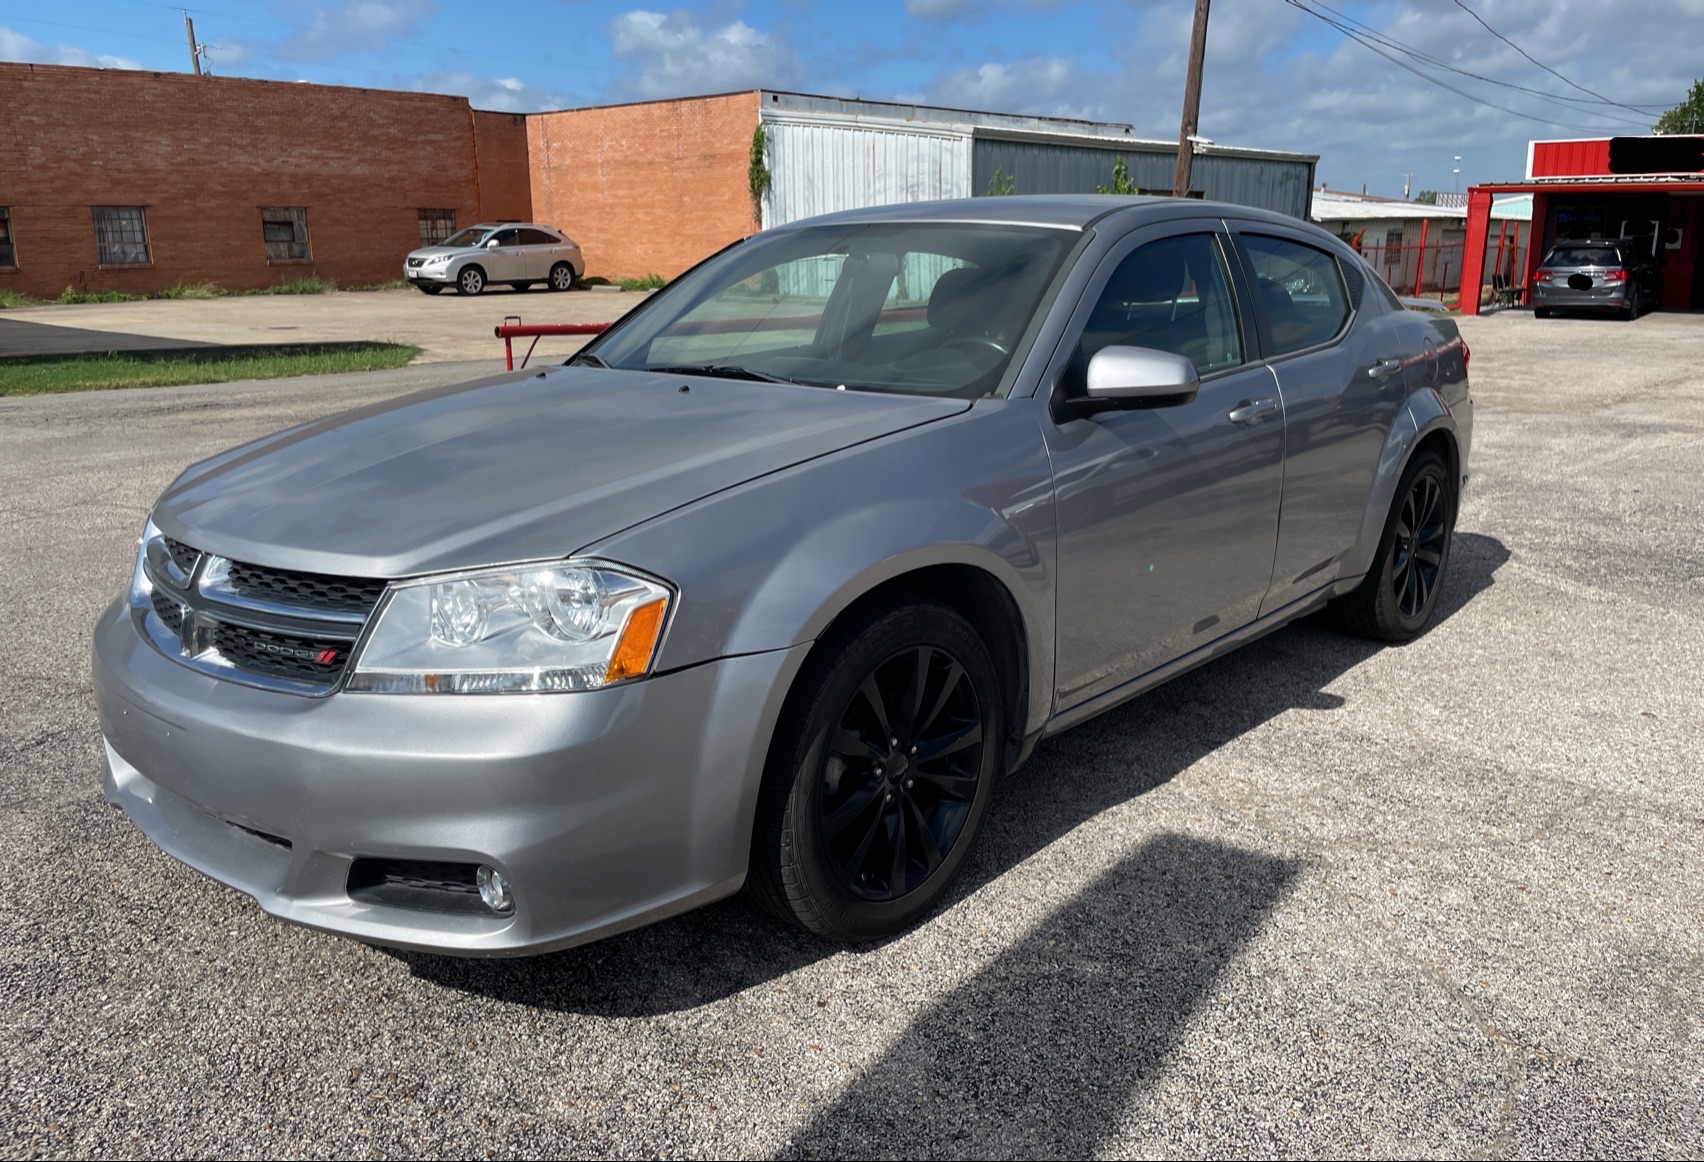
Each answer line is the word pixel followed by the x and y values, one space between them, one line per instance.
pixel 831 153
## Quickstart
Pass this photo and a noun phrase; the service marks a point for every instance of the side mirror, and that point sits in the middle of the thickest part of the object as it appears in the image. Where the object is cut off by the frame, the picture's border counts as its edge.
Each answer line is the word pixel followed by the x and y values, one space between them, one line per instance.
pixel 492 244
pixel 1140 377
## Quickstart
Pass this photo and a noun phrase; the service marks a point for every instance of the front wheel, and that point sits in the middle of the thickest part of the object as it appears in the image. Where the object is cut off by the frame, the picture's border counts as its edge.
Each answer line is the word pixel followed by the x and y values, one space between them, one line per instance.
pixel 561 277
pixel 1397 599
pixel 880 774
pixel 471 281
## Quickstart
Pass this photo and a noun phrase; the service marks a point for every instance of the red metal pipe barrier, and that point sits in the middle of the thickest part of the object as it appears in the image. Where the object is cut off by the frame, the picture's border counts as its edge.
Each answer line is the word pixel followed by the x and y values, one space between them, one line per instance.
pixel 1420 269
pixel 512 328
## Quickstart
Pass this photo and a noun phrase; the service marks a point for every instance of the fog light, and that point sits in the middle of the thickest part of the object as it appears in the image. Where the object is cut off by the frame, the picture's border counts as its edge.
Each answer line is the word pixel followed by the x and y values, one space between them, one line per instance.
pixel 494 889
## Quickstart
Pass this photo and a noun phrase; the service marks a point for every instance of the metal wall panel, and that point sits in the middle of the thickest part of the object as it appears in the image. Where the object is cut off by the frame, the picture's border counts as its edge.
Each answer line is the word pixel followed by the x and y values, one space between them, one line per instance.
pixel 819 168
pixel 1037 168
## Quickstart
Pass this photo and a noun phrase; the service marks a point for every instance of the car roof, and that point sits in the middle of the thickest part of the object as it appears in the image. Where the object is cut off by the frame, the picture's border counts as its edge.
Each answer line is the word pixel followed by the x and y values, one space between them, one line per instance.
pixel 1070 211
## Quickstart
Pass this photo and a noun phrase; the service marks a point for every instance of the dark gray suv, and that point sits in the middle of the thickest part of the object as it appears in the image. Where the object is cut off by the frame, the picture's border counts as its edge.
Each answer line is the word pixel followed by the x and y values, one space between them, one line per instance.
pixel 1619 276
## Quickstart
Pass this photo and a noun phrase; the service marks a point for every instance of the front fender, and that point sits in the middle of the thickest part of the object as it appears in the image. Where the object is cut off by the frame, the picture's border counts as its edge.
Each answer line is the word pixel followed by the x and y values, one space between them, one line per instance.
pixel 1423 413
pixel 770 564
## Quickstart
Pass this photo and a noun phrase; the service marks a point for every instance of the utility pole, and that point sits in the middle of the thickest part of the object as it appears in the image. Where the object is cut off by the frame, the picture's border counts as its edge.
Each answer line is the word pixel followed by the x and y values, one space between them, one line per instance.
pixel 1191 101
pixel 194 49
pixel 1407 184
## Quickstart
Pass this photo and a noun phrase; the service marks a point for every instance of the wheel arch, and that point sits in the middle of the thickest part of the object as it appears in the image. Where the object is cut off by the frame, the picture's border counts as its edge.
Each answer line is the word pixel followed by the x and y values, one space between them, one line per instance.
pixel 1425 422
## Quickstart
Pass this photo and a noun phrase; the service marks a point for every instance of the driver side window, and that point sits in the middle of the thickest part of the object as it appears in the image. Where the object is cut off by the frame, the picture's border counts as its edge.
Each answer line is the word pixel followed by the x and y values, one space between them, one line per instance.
pixel 1172 295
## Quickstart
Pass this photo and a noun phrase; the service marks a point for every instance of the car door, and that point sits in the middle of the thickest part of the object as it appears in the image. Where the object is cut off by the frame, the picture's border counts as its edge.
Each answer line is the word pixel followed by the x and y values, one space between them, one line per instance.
pixel 1343 370
pixel 1167 516
pixel 541 250
pixel 503 261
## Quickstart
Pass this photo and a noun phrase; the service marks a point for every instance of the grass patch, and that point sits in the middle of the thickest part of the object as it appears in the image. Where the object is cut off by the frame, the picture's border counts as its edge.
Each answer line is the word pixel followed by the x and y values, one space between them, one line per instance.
pixel 649 282
pixel 193 290
pixel 43 374
pixel 393 284
pixel 11 298
pixel 312 284
pixel 71 295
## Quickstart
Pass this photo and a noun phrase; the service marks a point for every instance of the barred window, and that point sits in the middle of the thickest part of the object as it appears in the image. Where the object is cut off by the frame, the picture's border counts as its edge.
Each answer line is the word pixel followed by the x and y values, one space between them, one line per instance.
pixel 8 255
pixel 285 229
pixel 121 235
pixel 436 226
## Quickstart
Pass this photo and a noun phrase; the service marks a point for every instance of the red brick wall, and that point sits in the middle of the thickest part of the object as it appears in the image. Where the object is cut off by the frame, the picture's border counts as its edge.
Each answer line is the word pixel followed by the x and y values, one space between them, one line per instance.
pixel 648 188
pixel 505 186
pixel 204 154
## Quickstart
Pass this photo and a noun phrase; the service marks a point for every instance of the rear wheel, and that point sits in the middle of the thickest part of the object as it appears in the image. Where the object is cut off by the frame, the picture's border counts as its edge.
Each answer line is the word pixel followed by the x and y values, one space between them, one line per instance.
pixel 1397 599
pixel 561 277
pixel 471 281
pixel 880 774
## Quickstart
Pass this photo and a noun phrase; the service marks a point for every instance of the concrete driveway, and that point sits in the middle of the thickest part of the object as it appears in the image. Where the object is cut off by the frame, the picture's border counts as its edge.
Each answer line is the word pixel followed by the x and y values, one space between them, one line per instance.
pixel 1317 898
pixel 447 327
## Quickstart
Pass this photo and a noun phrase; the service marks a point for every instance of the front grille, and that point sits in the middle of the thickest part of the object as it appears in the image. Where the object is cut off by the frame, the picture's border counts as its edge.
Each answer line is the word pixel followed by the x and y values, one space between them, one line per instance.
pixel 283 628
pixel 318 661
pixel 308 590
pixel 417 262
pixel 182 555
pixel 167 609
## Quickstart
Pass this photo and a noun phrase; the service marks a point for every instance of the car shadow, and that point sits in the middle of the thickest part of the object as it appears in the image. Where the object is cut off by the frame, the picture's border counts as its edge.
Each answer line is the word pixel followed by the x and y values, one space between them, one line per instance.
pixel 1039 1054
pixel 714 952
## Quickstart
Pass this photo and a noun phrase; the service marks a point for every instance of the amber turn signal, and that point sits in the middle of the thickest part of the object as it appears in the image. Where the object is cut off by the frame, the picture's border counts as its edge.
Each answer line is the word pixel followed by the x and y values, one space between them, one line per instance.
pixel 638 639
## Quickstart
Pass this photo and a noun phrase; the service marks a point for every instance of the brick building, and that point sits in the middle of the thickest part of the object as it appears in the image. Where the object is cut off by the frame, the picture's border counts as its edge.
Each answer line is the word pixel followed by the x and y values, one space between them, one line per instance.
pixel 136 181
pixel 139 181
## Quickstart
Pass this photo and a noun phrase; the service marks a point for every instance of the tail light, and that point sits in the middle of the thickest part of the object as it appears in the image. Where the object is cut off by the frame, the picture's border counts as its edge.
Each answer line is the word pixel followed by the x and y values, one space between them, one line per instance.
pixel 1615 276
pixel 1542 276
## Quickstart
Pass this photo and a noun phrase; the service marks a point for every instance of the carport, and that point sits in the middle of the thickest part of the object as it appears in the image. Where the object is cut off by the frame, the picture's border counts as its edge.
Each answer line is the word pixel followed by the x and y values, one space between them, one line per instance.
pixel 1621 187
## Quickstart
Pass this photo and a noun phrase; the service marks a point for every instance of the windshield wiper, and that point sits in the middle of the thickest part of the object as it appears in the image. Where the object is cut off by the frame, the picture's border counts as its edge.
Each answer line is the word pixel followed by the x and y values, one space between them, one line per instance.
pixel 726 371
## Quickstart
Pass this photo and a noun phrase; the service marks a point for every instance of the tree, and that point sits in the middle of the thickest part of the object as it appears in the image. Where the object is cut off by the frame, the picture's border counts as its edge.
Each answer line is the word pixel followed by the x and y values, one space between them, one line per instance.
pixel 1121 183
pixel 1427 197
pixel 1000 185
pixel 1686 117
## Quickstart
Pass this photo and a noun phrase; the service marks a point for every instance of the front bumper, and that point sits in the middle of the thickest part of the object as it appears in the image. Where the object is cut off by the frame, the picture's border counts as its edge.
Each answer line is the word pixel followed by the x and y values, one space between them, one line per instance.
pixel 604 809
pixel 431 276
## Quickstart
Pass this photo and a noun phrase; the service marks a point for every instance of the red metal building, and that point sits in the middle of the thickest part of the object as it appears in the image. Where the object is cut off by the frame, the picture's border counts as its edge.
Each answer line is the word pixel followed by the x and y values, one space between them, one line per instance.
pixel 1605 187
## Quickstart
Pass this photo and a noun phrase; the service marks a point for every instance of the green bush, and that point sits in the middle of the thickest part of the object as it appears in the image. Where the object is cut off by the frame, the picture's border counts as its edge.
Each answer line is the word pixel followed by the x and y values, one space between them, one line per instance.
pixel 11 298
pixel 649 282
pixel 312 284
pixel 193 290
pixel 73 295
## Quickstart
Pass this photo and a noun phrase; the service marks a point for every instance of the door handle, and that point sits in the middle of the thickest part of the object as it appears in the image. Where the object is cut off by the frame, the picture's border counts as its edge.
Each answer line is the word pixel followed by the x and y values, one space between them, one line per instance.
pixel 1384 367
pixel 1253 411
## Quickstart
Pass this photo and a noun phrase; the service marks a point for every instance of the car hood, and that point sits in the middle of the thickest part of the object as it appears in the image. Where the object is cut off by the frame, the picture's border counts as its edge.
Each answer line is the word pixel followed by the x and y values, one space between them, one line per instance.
pixel 435 251
pixel 523 466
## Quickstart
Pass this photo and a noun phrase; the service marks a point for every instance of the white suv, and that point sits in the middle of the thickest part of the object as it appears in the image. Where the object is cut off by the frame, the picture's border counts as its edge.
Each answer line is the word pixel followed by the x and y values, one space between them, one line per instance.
pixel 516 253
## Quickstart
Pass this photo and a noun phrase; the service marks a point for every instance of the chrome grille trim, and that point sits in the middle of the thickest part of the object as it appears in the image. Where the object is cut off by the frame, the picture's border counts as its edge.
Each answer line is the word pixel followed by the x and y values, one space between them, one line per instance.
pixel 301 649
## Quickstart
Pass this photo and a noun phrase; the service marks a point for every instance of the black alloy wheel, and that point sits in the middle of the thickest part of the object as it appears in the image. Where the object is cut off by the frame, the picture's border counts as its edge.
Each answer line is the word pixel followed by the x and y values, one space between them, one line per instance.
pixel 1399 595
pixel 901 773
pixel 880 773
pixel 1417 552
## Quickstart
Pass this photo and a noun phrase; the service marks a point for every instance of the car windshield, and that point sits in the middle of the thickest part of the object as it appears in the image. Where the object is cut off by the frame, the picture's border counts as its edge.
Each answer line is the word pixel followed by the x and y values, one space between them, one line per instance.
pixel 920 308
pixel 472 236
pixel 1583 256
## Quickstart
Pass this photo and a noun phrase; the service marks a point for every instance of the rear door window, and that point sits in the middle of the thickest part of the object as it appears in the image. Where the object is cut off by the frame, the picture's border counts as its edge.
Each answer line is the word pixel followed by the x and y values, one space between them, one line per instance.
pixel 538 238
pixel 1301 290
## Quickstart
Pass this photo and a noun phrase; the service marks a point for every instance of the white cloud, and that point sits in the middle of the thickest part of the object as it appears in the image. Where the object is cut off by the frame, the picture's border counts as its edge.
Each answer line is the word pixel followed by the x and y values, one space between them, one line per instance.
pixel 15 46
pixel 497 94
pixel 1029 85
pixel 226 55
pixel 674 56
pixel 966 11
pixel 355 26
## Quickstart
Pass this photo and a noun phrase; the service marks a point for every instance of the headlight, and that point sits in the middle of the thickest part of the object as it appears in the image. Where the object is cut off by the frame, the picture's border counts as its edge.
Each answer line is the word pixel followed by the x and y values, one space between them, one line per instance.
pixel 141 587
pixel 568 626
pixel 439 259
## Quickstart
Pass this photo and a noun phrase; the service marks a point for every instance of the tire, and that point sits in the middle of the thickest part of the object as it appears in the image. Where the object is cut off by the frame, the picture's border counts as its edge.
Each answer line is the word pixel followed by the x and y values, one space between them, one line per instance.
pixel 470 281
pixel 1396 600
pixel 428 289
pixel 561 277
pixel 1541 312
pixel 857 838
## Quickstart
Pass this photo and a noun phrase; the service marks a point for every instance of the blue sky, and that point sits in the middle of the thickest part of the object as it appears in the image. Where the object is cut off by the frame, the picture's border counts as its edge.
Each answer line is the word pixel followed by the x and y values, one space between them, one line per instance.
pixel 1276 76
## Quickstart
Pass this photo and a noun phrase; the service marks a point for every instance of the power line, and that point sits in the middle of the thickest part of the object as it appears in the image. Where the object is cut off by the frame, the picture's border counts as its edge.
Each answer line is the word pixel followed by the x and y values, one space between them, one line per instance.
pixel 1542 65
pixel 1435 62
pixel 1376 48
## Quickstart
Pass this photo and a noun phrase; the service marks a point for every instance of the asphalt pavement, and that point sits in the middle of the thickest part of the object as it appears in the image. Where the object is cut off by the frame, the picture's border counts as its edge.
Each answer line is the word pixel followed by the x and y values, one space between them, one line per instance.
pixel 1318 898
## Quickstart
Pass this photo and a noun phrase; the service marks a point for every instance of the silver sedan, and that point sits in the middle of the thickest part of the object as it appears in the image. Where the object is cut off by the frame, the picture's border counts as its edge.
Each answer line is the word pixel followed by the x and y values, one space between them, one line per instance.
pixel 518 254
pixel 770 585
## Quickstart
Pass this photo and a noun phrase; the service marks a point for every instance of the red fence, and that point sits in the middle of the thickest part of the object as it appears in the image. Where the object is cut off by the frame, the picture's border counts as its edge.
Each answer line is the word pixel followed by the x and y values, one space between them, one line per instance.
pixel 1434 268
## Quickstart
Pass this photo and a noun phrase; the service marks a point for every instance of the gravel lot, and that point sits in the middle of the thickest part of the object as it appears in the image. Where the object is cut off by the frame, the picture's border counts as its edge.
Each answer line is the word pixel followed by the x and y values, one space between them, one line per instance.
pixel 1314 899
